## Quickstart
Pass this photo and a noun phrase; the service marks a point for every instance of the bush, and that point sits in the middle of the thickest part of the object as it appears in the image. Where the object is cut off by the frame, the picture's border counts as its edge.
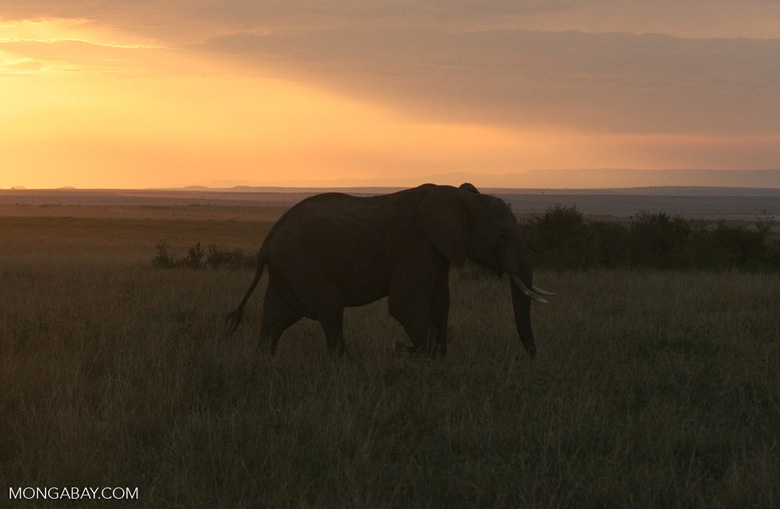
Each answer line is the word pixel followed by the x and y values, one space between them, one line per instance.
pixel 561 234
pixel 658 240
pixel 194 256
pixel 609 244
pixel 163 259
pixel 562 239
pixel 214 256
pixel 231 259
pixel 729 247
pixel 566 223
pixel 772 258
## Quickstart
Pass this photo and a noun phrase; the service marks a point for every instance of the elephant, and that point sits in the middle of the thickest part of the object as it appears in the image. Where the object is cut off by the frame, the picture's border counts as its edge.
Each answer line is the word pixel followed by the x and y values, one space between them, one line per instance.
pixel 334 250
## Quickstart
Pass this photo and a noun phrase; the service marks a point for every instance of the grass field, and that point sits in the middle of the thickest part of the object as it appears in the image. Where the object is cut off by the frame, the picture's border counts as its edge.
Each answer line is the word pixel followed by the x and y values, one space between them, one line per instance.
pixel 651 389
pixel 125 234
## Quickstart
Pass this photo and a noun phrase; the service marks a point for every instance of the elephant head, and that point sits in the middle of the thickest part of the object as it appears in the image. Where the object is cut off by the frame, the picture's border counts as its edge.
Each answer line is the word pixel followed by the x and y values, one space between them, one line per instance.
pixel 463 223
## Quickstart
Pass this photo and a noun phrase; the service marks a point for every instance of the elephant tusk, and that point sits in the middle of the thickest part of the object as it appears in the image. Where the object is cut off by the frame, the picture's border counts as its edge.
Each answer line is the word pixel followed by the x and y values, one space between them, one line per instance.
pixel 539 291
pixel 519 282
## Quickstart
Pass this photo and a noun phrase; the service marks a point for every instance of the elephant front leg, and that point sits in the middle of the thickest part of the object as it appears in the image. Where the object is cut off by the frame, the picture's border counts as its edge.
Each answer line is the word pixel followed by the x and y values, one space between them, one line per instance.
pixel 421 305
pixel 431 342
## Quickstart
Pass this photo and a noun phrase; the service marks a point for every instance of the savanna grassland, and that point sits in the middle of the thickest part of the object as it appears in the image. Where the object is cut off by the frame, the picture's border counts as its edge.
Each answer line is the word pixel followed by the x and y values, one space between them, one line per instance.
pixel 651 388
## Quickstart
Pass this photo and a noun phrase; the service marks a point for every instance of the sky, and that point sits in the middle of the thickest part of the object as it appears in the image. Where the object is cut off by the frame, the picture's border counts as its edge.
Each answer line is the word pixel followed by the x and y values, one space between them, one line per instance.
pixel 153 93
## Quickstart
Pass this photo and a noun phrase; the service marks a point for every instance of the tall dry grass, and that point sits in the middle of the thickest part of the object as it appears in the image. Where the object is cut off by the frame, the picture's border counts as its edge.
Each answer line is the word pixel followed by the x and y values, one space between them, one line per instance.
pixel 655 389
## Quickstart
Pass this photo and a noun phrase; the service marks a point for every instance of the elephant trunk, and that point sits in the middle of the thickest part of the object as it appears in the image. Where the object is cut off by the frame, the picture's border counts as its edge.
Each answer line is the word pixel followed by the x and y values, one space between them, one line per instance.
pixel 523 291
pixel 521 303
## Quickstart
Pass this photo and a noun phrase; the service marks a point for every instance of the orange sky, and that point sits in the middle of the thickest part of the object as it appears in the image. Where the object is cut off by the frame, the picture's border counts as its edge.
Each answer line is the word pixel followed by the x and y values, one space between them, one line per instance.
pixel 278 93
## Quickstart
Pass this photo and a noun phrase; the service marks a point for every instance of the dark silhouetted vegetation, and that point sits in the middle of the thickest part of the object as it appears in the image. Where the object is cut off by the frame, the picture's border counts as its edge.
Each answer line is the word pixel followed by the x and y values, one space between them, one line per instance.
pixel 194 257
pixel 163 258
pixel 562 238
pixel 214 257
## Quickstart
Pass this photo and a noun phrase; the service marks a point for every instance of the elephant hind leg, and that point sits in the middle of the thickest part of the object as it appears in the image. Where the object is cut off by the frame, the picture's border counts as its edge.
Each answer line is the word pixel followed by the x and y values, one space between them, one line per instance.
pixel 277 317
pixel 333 325
pixel 440 311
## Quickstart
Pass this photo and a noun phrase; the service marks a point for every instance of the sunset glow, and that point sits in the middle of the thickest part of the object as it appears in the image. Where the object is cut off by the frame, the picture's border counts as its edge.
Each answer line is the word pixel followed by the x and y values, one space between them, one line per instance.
pixel 154 98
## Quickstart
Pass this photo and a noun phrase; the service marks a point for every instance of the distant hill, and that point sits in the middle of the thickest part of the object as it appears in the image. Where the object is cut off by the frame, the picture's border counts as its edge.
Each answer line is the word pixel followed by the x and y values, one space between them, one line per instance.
pixel 739 203
pixel 547 179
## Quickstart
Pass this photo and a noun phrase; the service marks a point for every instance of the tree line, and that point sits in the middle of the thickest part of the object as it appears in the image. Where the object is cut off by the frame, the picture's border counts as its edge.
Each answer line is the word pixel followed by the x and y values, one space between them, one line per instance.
pixel 562 238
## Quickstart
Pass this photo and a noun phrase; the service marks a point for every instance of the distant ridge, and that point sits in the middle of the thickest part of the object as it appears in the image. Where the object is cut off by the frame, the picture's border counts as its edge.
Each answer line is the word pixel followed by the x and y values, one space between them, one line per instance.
pixel 546 179
pixel 738 203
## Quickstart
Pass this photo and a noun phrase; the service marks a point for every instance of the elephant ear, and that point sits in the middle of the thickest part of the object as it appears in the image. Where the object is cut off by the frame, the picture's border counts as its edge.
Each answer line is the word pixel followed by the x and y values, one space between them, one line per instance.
pixel 443 218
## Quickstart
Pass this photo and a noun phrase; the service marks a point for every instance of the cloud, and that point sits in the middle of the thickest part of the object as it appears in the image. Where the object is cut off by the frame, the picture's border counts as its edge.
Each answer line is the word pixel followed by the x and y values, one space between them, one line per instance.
pixel 530 63
pixel 75 56
pixel 556 67
pixel 191 20
pixel 594 82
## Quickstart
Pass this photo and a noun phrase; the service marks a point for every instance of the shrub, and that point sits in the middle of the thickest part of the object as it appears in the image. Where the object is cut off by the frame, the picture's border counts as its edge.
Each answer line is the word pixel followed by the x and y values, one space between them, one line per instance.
pixel 728 247
pixel 772 257
pixel 234 259
pixel 163 259
pixel 561 225
pixel 560 233
pixel 194 257
pixel 658 240
pixel 609 244
pixel 216 257
pixel 562 239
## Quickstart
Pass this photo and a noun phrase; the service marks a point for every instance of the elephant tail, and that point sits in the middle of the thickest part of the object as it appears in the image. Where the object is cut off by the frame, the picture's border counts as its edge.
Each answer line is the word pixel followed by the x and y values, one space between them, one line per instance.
pixel 234 318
